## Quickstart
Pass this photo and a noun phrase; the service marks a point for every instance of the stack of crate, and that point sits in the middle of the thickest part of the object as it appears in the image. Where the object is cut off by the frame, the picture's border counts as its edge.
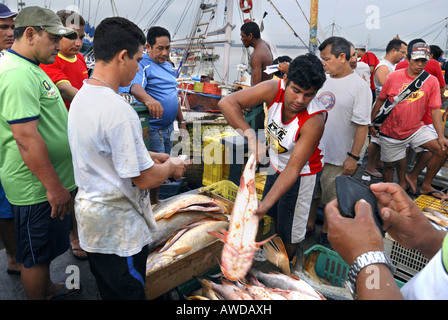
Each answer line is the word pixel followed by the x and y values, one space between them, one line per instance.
pixel 216 168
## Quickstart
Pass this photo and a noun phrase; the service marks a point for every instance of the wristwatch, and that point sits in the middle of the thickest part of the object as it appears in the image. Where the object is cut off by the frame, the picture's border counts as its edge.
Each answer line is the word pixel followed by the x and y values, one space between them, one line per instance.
pixel 181 122
pixel 351 155
pixel 364 260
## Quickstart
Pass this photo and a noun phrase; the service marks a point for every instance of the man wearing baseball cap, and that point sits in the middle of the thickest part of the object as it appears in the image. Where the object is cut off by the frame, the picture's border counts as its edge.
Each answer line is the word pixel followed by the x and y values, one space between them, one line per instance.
pixel 6 215
pixel 404 125
pixel 6 27
pixel 35 162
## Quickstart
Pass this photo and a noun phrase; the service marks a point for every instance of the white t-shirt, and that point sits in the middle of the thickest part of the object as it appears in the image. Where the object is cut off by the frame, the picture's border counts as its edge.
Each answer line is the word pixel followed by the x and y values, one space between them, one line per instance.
pixel 389 65
pixel 348 101
pixel 431 283
pixel 363 70
pixel 114 216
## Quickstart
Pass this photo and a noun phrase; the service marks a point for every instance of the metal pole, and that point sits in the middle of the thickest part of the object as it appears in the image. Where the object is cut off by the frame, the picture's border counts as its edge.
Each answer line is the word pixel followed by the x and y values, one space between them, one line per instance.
pixel 313 25
pixel 227 44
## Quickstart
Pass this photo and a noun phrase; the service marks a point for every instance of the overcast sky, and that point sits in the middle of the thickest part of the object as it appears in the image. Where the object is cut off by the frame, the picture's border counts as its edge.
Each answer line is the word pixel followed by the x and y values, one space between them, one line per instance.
pixel 360 21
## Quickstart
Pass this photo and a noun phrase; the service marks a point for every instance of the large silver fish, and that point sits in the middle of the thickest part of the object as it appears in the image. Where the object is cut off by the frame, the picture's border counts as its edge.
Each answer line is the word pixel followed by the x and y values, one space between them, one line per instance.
pixel 167 227
pixel 189 202
pixel 193 238
pixel 285 282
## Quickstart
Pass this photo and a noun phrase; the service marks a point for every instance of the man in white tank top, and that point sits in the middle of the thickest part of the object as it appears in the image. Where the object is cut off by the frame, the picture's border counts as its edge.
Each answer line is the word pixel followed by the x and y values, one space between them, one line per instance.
pixel 296 121
pixel 395 52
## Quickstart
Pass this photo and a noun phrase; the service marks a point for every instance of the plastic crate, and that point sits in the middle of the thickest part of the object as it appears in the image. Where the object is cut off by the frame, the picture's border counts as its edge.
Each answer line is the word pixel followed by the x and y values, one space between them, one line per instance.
pixel 260 181
pixel 407 262
pixel 425 201
pixel 331 267
pixel 229 190
pixel 215 155
pixel 224 188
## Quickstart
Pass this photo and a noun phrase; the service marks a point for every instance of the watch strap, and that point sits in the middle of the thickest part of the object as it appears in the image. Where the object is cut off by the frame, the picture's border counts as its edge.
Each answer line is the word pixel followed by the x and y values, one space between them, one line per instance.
pixel 351 155
pixel 364 260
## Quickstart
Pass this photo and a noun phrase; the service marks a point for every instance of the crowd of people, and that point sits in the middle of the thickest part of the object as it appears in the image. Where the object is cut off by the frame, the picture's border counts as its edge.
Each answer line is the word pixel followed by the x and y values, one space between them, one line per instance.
pixel 75 171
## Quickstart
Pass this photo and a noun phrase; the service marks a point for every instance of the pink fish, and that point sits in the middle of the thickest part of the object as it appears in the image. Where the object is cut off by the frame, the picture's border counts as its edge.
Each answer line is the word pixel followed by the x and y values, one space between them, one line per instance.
pixel 239 242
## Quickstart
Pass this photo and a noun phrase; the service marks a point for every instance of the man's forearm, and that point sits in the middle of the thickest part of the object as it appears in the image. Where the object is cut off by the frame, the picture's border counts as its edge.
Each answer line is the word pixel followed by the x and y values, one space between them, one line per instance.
pixel 34 153
pixel 359 140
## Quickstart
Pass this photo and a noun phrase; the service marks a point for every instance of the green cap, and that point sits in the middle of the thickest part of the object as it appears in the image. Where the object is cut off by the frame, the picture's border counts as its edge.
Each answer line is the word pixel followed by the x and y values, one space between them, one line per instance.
pixel 44 18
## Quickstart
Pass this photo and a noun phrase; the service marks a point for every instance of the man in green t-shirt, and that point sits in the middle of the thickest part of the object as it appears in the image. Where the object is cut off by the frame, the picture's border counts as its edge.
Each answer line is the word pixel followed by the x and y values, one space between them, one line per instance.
pixel 35 159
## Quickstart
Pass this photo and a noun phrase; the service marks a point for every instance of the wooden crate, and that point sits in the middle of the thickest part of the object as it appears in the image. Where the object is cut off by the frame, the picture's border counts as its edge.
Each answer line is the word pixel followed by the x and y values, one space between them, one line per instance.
pixel 182 270
pixel 194 264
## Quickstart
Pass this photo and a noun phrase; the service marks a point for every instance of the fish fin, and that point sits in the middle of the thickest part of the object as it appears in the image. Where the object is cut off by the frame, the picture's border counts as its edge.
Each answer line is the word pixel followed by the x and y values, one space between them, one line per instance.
pixel 183 250
pixel 310 264
pixel 276 253
pixel 221 234
pixel 259 244
pixel 198 298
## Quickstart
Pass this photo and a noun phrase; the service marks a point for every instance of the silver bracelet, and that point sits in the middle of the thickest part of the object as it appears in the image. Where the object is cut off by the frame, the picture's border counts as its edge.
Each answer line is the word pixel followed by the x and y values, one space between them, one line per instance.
pixel 364 260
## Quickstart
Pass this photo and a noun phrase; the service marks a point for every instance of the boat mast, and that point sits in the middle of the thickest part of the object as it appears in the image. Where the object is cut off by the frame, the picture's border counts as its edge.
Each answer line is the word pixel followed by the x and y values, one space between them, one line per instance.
pixel 228 39
pixel 313 26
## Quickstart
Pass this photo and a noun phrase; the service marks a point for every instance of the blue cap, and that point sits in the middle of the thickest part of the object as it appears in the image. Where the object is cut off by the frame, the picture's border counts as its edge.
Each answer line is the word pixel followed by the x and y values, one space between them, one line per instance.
pixel 5 12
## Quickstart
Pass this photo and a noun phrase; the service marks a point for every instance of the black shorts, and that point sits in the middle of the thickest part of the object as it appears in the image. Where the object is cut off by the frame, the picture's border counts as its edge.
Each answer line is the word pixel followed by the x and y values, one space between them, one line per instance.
pixel 40 238
pixel 120 278
pixel 291 211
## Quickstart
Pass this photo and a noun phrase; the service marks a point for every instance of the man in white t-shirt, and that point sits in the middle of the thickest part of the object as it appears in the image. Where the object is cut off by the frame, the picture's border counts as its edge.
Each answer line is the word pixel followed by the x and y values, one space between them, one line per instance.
pixel 348 101
pixel 395 52
pixel 113 170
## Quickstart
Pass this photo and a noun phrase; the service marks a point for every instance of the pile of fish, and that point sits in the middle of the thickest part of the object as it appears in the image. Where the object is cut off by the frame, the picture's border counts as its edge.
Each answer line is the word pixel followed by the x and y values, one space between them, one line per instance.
pixel 436 217
pixel 184 222
pixel 258 286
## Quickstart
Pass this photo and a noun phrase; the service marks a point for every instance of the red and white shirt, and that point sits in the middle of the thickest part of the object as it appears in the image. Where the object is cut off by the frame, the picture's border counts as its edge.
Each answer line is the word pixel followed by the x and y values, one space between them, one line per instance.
pixel 282 137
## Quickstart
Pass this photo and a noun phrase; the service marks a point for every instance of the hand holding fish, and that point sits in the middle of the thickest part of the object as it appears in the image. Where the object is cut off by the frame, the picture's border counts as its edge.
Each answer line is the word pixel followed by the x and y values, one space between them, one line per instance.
pixel 261 210
pixel 179 167
pixel 159 157
pixel 353 237
pixel 405 222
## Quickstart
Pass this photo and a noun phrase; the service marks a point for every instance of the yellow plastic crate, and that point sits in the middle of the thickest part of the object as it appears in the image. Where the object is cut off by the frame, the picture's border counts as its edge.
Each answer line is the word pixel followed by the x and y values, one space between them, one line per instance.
pixel 260 181
pixel 425 201
pixel 215 155
pixel 229 190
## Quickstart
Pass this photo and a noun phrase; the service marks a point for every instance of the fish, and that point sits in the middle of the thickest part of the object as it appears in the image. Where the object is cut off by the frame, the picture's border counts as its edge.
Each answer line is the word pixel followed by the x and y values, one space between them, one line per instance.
pixel 189 202
pixel 436 217
pixel 239 242
pixel 190 239
pixel 328 291
pixel 262 293
pixel 259 291
pixel 169 226
pixel 227 290
pixel 286 282
pixel 276 254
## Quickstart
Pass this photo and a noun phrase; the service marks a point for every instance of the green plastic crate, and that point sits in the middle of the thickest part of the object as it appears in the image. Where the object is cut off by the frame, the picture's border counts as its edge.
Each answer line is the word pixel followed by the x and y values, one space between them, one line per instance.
pixel 331 267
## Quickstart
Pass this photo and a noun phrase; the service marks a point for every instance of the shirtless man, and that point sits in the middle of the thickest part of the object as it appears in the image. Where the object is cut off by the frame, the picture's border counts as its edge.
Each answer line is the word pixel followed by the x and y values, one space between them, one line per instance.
pixel 259 60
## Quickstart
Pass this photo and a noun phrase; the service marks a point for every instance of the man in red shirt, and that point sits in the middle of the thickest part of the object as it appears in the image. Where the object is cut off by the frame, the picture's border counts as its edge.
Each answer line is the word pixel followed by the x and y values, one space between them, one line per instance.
pixel 404 125
pixel 68 73
pixel 69 69
pixel 423 156
pixel 372 60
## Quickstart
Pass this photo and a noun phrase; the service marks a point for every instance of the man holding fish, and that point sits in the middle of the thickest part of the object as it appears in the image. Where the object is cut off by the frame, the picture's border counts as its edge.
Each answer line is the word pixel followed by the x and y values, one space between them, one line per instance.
pixel 295 125
pixel 113 170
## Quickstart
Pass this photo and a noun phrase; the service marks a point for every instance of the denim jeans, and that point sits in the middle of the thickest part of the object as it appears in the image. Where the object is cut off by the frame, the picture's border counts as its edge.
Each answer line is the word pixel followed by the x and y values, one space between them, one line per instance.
pixel 160 139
